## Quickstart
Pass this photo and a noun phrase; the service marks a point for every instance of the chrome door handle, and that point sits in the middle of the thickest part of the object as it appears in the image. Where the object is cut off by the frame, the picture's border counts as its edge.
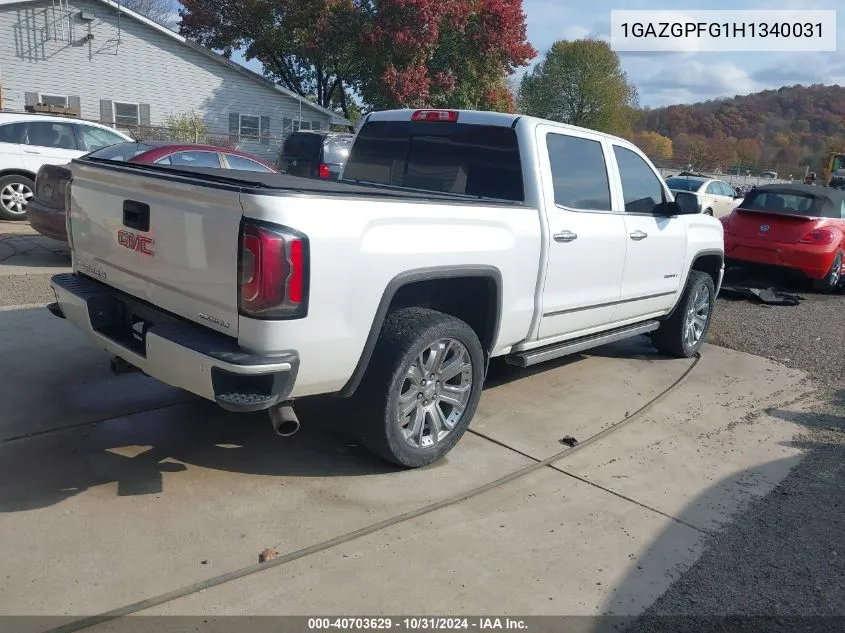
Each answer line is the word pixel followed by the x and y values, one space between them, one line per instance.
pixel 638 235
pixel 565 236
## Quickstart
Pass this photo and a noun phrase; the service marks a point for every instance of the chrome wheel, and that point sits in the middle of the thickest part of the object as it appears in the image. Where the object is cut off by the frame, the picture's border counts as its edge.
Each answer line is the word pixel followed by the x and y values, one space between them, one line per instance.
pixel 697 315
pixel 836 275
pixel 435 393
pixel 14 198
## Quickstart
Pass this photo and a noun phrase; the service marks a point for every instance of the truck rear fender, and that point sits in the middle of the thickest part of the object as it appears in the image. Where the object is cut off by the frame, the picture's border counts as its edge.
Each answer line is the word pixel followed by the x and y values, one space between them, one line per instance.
pixel 471 293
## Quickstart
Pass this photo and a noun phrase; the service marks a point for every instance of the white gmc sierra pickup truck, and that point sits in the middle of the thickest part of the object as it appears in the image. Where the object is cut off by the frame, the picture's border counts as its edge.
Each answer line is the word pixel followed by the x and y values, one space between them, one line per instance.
pixel 453 237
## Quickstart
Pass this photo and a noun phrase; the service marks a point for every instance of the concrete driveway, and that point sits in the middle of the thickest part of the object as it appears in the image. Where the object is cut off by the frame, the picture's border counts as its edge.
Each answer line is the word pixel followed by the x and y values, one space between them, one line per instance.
pixel 116 489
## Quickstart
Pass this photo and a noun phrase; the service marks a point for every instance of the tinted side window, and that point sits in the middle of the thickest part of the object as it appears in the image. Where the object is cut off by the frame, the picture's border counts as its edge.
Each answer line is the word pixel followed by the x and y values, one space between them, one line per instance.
pixel 727 190
pixel 13 133
pixel 714 189
pixel 641 189
pixel 579 174
pixel 51 134
pixel 94 138
pixel 239 162
pixel 195 159
pixel 476 160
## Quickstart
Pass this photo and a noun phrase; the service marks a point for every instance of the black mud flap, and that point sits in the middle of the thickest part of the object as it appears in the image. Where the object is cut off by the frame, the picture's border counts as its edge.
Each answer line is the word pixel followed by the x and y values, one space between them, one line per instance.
pixel 56 310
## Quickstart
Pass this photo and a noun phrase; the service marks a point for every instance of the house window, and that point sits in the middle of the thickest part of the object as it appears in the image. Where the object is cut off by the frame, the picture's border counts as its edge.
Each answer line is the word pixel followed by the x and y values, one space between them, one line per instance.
pixel 250 126
pixel 126 113
pixel 53 100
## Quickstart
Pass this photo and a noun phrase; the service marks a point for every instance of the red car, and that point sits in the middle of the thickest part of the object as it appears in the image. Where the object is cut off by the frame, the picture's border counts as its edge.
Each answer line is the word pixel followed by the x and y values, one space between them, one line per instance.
pixel 800 227
pixel 46 210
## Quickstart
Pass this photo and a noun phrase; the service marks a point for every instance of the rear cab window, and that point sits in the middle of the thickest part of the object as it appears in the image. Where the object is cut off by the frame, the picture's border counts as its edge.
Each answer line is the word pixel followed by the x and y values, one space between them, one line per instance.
pixel 579 173
pixel 468 159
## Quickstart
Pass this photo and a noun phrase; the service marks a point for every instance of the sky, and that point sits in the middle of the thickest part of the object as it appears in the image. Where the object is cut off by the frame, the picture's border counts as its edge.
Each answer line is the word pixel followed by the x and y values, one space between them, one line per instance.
pixel 668 78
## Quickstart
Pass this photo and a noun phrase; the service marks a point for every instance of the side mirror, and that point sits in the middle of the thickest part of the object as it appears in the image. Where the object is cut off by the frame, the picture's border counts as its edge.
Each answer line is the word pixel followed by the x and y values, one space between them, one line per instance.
pixel 687 203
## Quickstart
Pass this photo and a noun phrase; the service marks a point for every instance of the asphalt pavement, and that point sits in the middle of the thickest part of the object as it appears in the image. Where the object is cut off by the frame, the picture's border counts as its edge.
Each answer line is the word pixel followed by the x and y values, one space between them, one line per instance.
pixel 116 489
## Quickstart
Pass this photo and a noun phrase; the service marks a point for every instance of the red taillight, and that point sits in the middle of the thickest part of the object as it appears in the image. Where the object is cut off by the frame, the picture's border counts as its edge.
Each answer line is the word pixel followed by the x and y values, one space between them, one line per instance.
pixel 324 171
pixel 67 207
pixel 443 116
pixel 272 273
pixel 819 237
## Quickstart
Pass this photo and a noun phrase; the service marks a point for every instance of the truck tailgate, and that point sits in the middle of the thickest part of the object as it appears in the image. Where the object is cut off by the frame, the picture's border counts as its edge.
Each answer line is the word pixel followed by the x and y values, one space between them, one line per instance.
pixel 167 242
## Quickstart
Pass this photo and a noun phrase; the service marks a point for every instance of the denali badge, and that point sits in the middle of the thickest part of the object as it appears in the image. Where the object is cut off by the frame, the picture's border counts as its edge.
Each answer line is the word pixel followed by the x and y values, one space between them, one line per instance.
pixel 212 319
pixel 90 269
pixel 135 242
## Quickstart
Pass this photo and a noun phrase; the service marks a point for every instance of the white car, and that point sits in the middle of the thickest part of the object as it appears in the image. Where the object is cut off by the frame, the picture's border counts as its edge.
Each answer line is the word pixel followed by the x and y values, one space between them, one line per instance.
pixel 28 141
pixel 452 237
pixel 715 197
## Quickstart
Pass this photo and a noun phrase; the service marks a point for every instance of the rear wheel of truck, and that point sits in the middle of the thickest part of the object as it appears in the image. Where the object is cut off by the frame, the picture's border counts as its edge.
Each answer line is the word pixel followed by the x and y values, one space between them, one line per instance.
pixel 683 333
pixel 421 388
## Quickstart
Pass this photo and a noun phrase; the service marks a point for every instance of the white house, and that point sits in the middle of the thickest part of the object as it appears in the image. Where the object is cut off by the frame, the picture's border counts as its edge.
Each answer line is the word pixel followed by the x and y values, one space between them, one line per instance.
pixel 116 66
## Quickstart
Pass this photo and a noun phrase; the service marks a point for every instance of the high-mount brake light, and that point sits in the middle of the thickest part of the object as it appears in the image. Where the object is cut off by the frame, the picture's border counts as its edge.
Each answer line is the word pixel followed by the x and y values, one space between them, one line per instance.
pixel 273 272
pixel 442 116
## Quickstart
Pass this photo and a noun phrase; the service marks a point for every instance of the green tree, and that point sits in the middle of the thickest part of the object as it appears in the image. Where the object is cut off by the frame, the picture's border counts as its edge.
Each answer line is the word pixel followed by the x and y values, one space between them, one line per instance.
pixel 581 83
pixel 187 127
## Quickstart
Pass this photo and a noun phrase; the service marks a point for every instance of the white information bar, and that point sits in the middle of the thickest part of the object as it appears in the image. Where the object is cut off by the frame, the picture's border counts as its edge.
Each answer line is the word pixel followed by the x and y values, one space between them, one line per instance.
pixel 658 30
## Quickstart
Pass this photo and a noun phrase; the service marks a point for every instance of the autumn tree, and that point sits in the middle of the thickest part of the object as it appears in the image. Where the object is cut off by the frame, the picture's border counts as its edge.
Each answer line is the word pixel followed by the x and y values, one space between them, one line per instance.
pixel 656 146
pixel 311 47
pixel 748 151
pixel 443 53
pixel 160 11
pixel 582 83
pixel 692 149
pixel 393 53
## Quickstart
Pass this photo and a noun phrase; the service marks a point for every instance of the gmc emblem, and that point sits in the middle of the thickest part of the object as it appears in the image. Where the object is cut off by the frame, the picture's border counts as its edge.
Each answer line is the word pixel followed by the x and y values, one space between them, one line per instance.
pixel 135 242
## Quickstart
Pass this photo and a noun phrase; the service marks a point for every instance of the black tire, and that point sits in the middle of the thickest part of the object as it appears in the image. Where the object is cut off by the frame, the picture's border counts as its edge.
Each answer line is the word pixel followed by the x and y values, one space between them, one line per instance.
pixel 833 279
pixel 671 338
pixel 406 334
pixel 709 212
pixel 15 181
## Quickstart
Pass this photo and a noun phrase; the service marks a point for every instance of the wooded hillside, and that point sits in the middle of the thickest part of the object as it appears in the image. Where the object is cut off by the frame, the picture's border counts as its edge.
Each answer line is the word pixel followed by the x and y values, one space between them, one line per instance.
pixel 788 128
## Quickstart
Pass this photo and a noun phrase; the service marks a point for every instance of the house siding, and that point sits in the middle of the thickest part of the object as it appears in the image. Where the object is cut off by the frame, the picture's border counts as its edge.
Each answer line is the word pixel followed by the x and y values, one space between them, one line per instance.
pixel 129 61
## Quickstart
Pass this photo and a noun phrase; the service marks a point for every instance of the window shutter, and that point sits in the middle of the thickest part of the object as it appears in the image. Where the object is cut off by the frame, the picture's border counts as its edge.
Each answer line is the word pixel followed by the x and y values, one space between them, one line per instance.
pixel 31 98
pixel 106 111
pixel 144 113
pixel 234 124
pixel 264 132
pixel 74 103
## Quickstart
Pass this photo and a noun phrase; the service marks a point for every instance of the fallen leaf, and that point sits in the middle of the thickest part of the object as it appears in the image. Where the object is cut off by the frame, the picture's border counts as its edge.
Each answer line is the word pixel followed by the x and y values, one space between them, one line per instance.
pixel 267 554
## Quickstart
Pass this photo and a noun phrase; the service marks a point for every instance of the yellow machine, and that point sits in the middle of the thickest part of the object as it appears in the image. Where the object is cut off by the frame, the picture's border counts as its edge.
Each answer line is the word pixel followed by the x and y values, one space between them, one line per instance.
pixel 836 163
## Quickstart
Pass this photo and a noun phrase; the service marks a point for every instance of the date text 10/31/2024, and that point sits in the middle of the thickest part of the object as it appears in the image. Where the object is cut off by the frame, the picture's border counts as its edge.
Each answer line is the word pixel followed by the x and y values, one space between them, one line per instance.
pixel 417 624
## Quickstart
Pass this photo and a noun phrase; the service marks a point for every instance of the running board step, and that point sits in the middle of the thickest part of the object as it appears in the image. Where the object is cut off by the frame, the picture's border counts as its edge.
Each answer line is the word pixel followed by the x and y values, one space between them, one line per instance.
pixel 542 354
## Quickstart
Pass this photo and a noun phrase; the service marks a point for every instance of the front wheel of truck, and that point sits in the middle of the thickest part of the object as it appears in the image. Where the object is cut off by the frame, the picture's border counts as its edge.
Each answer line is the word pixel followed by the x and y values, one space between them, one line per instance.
pixel 683 333
pixel 421 388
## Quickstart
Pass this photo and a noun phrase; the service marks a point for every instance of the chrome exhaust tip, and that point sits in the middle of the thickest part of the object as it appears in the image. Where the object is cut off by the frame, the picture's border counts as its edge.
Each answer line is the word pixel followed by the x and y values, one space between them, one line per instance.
pixel 284 420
